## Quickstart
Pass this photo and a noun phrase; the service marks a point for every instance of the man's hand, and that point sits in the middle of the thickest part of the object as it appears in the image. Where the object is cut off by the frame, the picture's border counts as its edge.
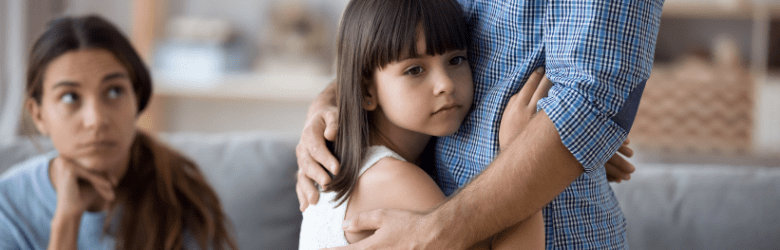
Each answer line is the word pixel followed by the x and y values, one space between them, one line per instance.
pixel 312 153
pixel 417 230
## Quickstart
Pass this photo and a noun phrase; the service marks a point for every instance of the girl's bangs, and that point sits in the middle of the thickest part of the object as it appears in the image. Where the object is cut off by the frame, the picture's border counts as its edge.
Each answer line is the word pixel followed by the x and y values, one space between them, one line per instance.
pixel 398 28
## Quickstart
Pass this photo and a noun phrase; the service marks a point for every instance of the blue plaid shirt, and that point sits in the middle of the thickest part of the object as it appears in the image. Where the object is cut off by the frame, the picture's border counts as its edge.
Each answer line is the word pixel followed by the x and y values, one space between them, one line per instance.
pixel 598 54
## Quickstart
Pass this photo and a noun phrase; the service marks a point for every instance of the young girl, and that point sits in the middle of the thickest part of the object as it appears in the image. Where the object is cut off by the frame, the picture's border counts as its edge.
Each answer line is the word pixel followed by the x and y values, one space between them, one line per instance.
pixel 107 185
pixel 402 78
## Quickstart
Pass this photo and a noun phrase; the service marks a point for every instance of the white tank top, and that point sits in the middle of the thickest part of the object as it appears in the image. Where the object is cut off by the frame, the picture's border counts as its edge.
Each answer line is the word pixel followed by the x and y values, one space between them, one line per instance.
pixel 321 226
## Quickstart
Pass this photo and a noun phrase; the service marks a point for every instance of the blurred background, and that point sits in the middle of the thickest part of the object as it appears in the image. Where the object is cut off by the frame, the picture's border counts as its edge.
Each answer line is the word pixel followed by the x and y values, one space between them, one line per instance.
pixel 217 66
pixel 232 75
pixel 238 65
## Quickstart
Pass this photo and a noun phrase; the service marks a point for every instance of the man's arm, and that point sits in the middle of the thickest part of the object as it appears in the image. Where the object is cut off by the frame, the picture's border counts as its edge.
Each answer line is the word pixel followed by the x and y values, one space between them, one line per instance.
pixel 311 151
pixel 517 184
pixel 512 188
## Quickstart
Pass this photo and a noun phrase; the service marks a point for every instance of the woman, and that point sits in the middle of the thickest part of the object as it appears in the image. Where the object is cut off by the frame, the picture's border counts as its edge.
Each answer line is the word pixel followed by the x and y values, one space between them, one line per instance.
pixel 107 186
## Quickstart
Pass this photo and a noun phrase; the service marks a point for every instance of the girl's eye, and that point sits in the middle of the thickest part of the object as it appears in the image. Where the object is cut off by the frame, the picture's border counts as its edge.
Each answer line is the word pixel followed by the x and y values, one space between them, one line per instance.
pixel 457 60
pixel 416 70
pixel 69 98
pixel 115 92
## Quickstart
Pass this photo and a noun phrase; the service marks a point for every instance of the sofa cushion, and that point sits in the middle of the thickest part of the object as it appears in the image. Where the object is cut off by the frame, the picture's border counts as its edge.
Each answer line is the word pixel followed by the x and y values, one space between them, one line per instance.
pixel 254 175
pixel 676 206
pixel 20 149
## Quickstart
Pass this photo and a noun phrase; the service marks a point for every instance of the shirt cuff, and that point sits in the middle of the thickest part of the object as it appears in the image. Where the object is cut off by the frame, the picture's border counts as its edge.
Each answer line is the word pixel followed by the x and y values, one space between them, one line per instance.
pixel 592 137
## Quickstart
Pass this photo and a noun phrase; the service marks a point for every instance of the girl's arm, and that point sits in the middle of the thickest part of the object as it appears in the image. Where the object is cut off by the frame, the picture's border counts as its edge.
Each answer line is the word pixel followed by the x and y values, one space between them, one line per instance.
pixel 522 106
pixel 518 112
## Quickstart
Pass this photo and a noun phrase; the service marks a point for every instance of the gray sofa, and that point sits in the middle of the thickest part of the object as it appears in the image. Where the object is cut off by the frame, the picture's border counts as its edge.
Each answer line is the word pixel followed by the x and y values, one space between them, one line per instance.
pixel 666 206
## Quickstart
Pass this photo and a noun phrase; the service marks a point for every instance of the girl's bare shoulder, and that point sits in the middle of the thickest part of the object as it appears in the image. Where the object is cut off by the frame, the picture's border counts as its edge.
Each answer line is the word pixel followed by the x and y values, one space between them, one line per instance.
pixel 393 183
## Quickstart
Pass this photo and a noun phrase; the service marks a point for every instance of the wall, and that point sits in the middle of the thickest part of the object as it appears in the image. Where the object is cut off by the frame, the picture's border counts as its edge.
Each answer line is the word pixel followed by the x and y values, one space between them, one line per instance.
pixel 677 36
pixel 767 136
pixel 3 48
pixel 116 11
pixel 11 63
pixel 215 115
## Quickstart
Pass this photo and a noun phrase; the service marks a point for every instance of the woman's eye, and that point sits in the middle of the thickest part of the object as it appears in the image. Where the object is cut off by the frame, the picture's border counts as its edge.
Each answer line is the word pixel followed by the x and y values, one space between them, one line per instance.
pixel 69 98
pixel 457 60
pixel 115 92
pixel 416 70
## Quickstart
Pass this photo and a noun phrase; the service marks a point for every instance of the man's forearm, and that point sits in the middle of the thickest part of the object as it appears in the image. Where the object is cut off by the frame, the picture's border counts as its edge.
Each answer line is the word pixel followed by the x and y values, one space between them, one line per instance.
pixel 528 174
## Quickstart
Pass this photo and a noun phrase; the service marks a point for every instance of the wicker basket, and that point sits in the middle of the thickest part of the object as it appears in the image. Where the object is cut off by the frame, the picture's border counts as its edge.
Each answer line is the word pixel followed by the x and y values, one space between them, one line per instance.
pixel 695 106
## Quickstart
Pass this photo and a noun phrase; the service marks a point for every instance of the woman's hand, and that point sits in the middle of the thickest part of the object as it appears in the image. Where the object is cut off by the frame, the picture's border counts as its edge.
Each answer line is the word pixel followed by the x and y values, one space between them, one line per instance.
pixel 79 189
pixel 522 106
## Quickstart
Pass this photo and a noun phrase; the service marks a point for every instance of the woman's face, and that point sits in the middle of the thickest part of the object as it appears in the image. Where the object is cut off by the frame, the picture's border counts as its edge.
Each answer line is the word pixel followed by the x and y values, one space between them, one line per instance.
pixel 88 108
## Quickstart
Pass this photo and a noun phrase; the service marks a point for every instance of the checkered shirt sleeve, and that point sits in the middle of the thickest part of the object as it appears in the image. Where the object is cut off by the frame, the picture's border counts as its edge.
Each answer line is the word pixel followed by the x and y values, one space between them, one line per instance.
pixel 598 53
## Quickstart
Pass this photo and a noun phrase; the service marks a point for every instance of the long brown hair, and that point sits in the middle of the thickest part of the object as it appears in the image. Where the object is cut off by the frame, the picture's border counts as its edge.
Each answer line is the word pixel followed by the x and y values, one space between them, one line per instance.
pixel 372 34
pixel 163 199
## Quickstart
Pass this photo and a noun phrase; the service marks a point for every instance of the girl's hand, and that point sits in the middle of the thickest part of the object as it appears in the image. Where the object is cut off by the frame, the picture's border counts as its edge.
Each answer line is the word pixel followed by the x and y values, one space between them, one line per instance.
pixel 619 169
pixel 78 188
pixel 522 106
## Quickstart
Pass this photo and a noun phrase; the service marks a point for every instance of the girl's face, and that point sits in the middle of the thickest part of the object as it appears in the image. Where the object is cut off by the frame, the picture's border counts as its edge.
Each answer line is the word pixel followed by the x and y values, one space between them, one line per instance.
pixel 88 108
pixel 425 94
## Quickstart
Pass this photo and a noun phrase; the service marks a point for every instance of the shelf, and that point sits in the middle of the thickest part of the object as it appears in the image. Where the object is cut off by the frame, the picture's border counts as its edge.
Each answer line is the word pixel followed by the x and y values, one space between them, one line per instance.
pixel 253 86
pixel 723 9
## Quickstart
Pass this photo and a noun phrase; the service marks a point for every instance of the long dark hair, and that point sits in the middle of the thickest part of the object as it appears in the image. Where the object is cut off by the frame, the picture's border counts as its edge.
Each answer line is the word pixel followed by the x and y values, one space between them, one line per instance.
pixel 163 195
pixel 372 34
